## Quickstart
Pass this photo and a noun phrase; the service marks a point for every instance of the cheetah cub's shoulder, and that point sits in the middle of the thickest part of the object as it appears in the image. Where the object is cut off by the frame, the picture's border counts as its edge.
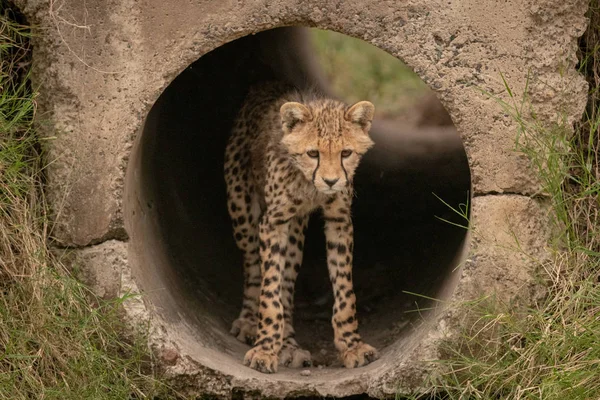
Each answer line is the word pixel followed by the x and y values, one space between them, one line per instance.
pixel 290 153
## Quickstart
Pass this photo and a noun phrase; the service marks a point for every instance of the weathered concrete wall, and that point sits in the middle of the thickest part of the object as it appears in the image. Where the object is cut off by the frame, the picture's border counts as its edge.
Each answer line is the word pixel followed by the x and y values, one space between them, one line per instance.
pixel 101 65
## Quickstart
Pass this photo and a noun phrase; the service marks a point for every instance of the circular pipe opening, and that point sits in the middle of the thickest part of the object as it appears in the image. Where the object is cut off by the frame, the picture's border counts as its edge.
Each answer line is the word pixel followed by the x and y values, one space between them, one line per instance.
pixel 182 249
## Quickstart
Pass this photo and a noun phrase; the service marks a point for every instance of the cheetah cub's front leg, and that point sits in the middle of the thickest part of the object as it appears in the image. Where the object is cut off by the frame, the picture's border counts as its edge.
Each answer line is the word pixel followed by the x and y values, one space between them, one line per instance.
pixel 291 355
pixel 339 235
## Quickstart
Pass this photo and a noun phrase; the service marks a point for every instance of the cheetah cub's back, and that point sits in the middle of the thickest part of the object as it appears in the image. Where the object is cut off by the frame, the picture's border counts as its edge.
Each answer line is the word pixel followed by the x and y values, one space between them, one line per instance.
pixel 290 153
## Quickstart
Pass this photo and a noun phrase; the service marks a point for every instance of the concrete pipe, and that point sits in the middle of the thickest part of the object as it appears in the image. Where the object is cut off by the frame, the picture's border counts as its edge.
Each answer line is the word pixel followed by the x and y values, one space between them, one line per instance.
pixel 138 98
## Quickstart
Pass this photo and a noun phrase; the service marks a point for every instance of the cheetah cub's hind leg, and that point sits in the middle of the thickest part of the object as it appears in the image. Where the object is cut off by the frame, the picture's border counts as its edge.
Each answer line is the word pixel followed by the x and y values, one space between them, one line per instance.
pixel 291 355
pixel 244 210
pixel 246 233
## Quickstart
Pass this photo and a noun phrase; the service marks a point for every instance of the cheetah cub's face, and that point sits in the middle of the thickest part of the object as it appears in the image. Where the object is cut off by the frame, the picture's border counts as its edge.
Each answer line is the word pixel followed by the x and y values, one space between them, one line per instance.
pixel 326 140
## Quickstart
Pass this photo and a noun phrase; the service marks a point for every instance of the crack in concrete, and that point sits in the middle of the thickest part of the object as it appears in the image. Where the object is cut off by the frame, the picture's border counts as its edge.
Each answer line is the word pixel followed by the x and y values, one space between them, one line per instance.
pixel 114 235
pixel 535 195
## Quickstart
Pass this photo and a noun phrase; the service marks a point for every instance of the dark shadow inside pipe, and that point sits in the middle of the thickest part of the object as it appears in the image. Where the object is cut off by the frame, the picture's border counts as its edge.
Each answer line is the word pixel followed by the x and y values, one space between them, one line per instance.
pixel 403 252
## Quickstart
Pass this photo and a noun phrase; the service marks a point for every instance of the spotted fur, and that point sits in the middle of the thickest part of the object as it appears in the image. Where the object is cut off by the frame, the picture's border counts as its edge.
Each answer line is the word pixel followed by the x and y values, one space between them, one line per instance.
pixel 288 155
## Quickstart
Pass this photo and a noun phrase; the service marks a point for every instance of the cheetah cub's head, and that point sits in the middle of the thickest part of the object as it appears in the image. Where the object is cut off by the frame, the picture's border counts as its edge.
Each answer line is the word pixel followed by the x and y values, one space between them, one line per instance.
pixel 327 139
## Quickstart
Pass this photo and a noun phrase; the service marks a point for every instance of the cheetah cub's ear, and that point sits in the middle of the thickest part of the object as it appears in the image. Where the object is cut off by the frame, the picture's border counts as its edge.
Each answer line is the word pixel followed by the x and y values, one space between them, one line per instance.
pixel 293 113
pixel 361 113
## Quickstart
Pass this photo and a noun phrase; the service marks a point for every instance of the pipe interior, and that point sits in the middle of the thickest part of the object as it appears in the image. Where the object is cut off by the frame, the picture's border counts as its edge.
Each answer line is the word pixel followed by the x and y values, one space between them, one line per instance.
pixel 183 249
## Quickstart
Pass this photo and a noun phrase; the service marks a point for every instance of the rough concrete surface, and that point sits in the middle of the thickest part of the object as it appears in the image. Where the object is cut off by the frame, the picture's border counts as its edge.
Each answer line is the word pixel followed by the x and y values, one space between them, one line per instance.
pixel 101 66
pixel 101 267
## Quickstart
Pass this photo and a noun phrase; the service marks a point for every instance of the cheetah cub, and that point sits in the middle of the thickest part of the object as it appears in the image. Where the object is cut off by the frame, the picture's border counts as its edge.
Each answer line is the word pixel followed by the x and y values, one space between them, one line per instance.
pixel 288 155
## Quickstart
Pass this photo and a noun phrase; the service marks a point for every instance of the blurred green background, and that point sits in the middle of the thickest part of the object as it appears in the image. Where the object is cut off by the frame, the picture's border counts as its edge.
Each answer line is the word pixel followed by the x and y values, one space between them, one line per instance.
pixel 359 71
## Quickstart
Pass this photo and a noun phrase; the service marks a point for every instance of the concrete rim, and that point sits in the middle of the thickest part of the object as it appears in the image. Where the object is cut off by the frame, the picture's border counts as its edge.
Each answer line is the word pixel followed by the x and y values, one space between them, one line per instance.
pixel 213 347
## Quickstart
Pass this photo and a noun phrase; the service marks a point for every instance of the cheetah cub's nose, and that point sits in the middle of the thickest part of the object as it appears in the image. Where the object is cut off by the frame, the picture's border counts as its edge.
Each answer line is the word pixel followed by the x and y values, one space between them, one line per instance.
pixel 331 182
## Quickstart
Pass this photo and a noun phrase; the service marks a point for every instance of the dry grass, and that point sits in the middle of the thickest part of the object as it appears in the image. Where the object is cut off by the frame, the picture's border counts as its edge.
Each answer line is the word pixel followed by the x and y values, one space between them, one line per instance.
pixel 53 343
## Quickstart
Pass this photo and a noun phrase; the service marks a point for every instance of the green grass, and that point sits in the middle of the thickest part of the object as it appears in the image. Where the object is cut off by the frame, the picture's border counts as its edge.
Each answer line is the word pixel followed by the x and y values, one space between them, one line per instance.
pixel 57 340
pixel 552 350
pixel 359 71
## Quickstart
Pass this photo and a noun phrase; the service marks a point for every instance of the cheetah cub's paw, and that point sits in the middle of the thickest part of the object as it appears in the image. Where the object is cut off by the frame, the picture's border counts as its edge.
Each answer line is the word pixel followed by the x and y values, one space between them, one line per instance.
pixel 294 357
pixel 244 330
pixel 261 360
pixel 358 356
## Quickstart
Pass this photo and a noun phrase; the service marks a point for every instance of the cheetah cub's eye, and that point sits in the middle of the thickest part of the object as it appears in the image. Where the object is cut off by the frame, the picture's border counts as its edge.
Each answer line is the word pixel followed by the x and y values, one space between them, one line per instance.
pixel 313 153
pixel 346 153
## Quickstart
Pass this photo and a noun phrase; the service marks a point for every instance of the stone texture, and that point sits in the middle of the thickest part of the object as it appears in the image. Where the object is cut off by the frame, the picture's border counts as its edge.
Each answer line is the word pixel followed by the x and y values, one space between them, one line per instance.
pixel 508 243
pixel 101 267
